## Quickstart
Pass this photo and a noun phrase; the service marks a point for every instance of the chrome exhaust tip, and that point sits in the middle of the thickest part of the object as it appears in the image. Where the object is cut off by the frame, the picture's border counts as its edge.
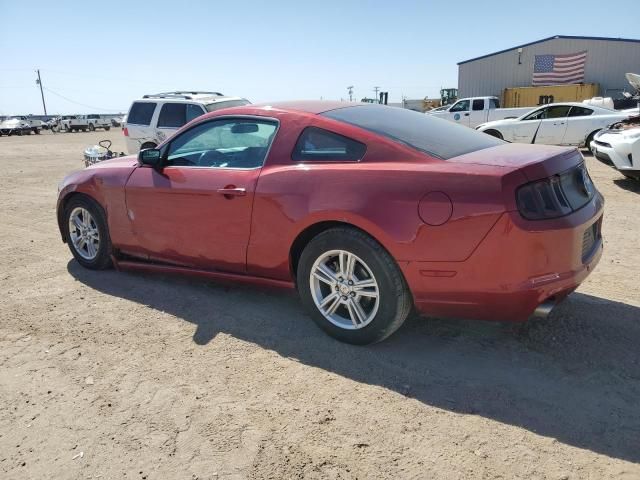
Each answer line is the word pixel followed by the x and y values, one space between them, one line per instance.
pixel 544 309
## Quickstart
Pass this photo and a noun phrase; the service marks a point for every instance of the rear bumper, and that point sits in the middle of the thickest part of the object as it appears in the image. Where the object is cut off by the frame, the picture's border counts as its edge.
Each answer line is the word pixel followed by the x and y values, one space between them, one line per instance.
pixel 513 270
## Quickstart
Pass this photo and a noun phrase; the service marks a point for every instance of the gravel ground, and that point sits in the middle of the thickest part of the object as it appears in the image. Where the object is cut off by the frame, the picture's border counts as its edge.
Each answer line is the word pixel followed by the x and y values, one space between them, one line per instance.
pixel 120 375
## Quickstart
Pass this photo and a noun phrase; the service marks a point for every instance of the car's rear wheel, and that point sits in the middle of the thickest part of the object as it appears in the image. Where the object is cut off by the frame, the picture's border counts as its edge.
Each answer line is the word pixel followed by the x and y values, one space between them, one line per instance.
pixel 351 286
pixel 107 128
pixel 91 127
pixel 86 233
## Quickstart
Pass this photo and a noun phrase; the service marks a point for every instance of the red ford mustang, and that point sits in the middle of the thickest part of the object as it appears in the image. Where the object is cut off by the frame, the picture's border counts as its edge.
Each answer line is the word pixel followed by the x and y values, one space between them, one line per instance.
pixel 368 210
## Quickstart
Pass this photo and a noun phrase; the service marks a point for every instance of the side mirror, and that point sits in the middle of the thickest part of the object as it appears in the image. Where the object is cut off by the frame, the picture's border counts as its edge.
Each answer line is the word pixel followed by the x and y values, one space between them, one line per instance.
pixel 150 156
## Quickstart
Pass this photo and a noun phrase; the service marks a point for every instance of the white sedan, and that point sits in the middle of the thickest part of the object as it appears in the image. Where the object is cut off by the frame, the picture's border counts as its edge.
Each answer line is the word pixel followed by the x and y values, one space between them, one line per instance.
pixel 555 124
pixel 619 146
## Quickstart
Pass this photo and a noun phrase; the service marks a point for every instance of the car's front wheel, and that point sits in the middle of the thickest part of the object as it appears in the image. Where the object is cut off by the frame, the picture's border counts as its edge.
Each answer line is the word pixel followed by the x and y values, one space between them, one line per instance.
pixel 351 286
pixel 86 232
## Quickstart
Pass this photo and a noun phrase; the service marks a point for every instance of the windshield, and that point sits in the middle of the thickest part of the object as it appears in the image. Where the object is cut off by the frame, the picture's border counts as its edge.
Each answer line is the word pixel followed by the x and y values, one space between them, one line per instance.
pixel 432 135
pixel 212 107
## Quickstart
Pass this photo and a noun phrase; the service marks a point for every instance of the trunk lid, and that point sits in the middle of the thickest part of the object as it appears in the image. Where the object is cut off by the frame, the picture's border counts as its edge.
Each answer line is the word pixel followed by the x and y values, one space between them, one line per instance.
pixel 535 161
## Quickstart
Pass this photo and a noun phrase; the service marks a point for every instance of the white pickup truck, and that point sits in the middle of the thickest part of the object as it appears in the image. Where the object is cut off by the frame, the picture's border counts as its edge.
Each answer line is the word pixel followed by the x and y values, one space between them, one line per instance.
pixel 72 123
pixel 474 111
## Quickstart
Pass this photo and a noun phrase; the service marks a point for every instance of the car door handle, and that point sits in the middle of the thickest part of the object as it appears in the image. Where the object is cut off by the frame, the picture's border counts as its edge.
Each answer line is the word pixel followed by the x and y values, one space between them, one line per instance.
pixel 231 191
pixel 466 114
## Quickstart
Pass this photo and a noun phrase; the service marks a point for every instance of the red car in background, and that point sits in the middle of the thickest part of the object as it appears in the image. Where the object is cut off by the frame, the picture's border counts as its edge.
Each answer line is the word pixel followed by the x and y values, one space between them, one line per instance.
pixel 368 210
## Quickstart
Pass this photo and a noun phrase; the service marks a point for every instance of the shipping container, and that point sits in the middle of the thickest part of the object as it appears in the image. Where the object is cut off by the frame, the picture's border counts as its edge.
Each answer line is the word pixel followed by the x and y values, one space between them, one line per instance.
pixel 534 96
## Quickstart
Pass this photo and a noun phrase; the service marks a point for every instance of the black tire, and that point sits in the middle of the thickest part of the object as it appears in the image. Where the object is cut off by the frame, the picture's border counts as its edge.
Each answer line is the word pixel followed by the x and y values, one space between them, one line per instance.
pixel 19 133
pixel 102 259
pixel 107 128
pixel 84 129
pixel 91 127
pixel 494 133
pixel 36 131
pixel 395 301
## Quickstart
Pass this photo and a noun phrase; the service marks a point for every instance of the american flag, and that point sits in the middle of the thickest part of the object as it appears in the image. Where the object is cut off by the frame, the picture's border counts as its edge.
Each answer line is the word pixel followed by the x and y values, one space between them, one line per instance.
pixel 553 69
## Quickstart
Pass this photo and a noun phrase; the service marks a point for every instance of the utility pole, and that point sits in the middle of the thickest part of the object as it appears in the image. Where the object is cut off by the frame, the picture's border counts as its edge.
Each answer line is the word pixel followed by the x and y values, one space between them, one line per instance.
pixel 39 82
pixel 375 89
pixel 350 90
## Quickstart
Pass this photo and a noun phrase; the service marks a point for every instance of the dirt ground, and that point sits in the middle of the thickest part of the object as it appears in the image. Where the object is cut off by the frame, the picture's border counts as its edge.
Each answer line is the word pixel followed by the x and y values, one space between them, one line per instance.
pixel 118 375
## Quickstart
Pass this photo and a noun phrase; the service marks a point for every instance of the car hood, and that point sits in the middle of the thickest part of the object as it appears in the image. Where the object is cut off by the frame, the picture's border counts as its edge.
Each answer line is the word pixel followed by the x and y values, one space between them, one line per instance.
pixel 129 161
pixel 614 136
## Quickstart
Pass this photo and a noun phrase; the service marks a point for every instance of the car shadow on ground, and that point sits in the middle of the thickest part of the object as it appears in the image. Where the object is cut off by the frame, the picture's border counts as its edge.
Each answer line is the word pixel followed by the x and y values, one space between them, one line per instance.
pixel 574 377
pixel 628 184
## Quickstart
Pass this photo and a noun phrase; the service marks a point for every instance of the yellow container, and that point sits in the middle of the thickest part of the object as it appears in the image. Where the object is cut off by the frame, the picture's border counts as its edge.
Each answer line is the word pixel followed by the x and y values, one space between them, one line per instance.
pixel 534 96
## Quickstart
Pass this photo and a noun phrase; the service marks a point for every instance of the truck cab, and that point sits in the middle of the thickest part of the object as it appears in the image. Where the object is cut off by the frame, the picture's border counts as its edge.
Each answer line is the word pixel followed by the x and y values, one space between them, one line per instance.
pixel 474 111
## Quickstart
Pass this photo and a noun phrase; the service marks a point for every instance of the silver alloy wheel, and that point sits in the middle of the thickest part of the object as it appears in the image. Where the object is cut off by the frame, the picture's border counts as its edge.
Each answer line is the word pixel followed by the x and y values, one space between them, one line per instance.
pixel 344 289
pixel 84 234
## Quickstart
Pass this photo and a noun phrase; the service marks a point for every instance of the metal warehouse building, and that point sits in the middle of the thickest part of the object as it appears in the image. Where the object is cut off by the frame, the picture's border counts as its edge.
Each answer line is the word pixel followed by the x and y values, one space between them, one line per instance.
pixel 607 61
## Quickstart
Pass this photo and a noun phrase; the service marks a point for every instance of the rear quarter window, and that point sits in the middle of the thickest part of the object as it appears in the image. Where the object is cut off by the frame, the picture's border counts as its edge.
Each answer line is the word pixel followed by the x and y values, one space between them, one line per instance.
pixel 318 144
pixel 141 113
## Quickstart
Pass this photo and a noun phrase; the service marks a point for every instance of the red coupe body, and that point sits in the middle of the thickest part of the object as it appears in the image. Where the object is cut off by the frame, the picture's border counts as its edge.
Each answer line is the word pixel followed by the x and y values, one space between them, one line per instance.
pixel 456 225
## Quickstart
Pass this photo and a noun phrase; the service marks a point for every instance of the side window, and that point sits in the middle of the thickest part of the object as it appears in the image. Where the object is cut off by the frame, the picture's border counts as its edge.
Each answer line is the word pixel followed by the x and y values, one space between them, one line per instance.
pixel 229 143
pixel 172 115
pixel 193 111
pixel 537 114
pixel 580 112
pixel 478 104
pixel 494 103
pixel 558 111
pixel 461 106
pixel 317 144
pixel 141 113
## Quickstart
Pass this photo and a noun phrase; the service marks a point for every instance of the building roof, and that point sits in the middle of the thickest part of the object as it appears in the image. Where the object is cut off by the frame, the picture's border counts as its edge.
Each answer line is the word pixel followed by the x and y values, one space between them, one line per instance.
pixel 570 37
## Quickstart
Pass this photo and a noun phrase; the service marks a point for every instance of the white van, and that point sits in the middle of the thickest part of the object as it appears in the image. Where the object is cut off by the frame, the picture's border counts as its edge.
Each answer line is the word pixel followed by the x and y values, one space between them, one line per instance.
pixel 154 118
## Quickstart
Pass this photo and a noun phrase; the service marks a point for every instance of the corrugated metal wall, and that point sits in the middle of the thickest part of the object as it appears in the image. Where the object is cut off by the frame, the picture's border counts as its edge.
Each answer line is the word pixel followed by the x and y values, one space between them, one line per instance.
pixel 607 62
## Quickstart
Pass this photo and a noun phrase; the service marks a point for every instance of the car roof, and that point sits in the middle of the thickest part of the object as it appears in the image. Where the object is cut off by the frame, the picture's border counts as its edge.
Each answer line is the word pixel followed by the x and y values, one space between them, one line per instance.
pixel 577 104
pixel 308 106
pixel 199 98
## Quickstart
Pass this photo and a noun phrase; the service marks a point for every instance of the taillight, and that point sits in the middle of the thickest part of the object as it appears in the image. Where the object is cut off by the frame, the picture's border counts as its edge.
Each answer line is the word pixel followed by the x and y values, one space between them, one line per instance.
pixel 125 131
pixel 555 196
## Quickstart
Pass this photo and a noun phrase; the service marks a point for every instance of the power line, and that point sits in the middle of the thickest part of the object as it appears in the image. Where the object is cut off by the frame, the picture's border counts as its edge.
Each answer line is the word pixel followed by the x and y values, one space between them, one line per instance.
pixel 81 104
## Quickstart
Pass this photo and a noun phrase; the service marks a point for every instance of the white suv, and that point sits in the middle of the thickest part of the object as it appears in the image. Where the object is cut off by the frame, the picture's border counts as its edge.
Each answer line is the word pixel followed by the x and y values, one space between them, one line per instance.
pixel 154 118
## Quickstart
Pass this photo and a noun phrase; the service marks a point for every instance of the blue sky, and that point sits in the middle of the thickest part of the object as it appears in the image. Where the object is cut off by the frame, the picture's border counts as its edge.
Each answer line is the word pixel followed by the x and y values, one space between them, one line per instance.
pixel 104 54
